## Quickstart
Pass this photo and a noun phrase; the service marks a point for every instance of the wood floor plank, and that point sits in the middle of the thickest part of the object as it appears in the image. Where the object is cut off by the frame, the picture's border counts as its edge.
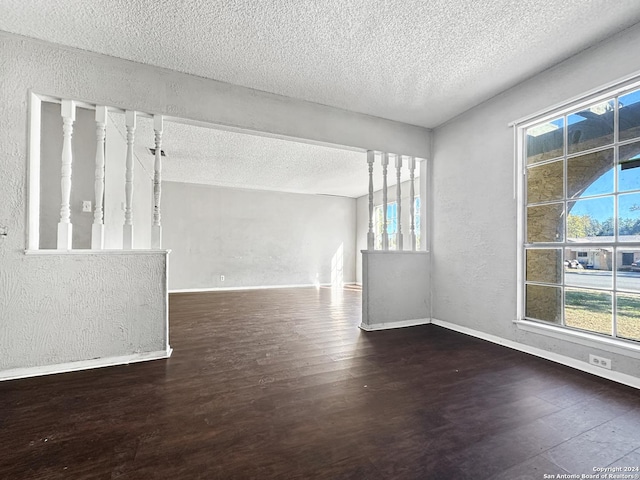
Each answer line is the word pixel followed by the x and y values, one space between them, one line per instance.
pixel 281 384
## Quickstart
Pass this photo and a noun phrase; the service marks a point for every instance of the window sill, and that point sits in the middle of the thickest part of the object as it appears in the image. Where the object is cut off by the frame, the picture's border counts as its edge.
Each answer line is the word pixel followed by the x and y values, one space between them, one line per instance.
pixel 97 252
pixel 613 345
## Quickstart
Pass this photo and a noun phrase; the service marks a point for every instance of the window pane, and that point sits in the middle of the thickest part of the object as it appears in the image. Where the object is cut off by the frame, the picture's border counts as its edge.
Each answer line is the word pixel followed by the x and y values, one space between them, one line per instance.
pixel 629 218
pixel 629 167
pixel 588 310
pixel 545 141
pixel 590 220
pixel 545 182
pixel 543 303
pixel 544 265
pixel 590 128
pixel 628 316
pixel 628 269
pixel 590 174
pixel 544 223
pixel 629 116
pixel 588 267
pixel 392 218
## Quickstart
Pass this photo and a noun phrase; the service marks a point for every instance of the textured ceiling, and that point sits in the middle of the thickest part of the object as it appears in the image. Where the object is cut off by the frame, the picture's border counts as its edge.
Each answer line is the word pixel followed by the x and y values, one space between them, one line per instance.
pixel 415 61
pixel 196 154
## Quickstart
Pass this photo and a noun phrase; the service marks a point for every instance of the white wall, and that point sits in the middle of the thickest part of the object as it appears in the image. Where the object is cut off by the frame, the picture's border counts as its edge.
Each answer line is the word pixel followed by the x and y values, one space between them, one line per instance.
pixel 395 289
pixel 254 237
pixel 474 212
pixel 50 305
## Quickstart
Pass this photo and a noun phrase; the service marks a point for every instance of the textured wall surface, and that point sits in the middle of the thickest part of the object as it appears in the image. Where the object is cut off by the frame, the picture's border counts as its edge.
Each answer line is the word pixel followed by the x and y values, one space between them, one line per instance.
pixel 255 238
pixel 66 72
pixel 67 308
pixel 395 287
pixel 474 213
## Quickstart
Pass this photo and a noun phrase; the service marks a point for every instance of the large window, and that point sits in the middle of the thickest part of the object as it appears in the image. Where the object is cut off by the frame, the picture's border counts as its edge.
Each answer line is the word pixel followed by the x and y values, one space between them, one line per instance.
pixel 581 218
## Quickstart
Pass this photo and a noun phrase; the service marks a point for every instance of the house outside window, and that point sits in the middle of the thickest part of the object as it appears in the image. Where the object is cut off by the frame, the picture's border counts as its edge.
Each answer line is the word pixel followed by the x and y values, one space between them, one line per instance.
pixel 580 219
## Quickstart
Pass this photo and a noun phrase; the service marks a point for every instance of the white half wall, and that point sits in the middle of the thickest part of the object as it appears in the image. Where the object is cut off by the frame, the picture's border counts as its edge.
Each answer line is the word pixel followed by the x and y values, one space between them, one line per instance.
pixel 395 289
pixel 255 238
pixel 67 308
pixel 474 210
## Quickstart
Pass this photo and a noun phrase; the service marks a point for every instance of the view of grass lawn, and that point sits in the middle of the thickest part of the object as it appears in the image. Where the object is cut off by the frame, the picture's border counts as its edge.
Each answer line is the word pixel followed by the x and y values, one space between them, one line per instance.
pixel 629 316
pixel 588 310
pixel 592 310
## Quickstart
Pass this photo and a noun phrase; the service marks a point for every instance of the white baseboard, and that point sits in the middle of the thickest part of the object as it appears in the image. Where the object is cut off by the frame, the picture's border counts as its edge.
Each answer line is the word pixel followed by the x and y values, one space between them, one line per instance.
pixel 538 352
pixel 397 324
pixel 17 373
pixel 255 287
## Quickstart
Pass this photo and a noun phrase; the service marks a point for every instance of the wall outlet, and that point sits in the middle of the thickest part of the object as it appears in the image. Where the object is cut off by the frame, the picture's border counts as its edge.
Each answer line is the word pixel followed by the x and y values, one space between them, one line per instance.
pixel 600 361
pixel 222 278
pixel 86 206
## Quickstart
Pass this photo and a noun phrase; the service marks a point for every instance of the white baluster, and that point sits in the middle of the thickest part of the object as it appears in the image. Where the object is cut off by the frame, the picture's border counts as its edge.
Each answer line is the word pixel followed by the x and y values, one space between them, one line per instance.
pixel 385 235
pixel 371 236
pixel 65 228
pixel 127 243
pixel 399 242
pixel 156 228
pixel 97 229
pixel 412 194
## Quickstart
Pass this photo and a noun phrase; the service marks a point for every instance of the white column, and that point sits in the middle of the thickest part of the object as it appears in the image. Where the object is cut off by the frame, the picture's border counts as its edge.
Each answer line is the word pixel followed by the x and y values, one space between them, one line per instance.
pixel 156 228
pixel 35 114
pixel 371 236
pixel 97 229
pixel 412 194
pixel 65 228
pixel 424 194
pixel 127 238
pixel 399 204
pixel 385 235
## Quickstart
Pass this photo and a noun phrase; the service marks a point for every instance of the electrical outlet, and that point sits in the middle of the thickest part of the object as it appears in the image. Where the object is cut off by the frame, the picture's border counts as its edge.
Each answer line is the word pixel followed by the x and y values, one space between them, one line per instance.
pixel 222 278
pixel 600 361
pixel 86 206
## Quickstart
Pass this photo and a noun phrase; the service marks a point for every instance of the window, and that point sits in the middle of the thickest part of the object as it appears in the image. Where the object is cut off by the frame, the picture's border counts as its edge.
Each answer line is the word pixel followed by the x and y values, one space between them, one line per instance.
pixel 581 217
pixel 392 225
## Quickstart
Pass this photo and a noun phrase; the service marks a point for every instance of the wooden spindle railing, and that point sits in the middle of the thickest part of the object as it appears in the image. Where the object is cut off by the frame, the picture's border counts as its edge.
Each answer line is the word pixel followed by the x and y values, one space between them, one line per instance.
pixel 97 229
pixel 127 238
pixel 385 234
pixel 371 236
pixel 399 240
pixel 412 194
pixel 65 228
pixel 156 228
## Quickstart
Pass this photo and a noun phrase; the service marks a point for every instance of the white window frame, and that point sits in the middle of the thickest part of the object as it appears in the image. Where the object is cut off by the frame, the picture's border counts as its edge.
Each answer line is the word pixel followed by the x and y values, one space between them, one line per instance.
pixel 593 340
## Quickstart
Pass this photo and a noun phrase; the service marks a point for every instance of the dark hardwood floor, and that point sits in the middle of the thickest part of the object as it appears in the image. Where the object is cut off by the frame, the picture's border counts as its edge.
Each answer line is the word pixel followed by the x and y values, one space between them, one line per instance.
pixel 281 384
